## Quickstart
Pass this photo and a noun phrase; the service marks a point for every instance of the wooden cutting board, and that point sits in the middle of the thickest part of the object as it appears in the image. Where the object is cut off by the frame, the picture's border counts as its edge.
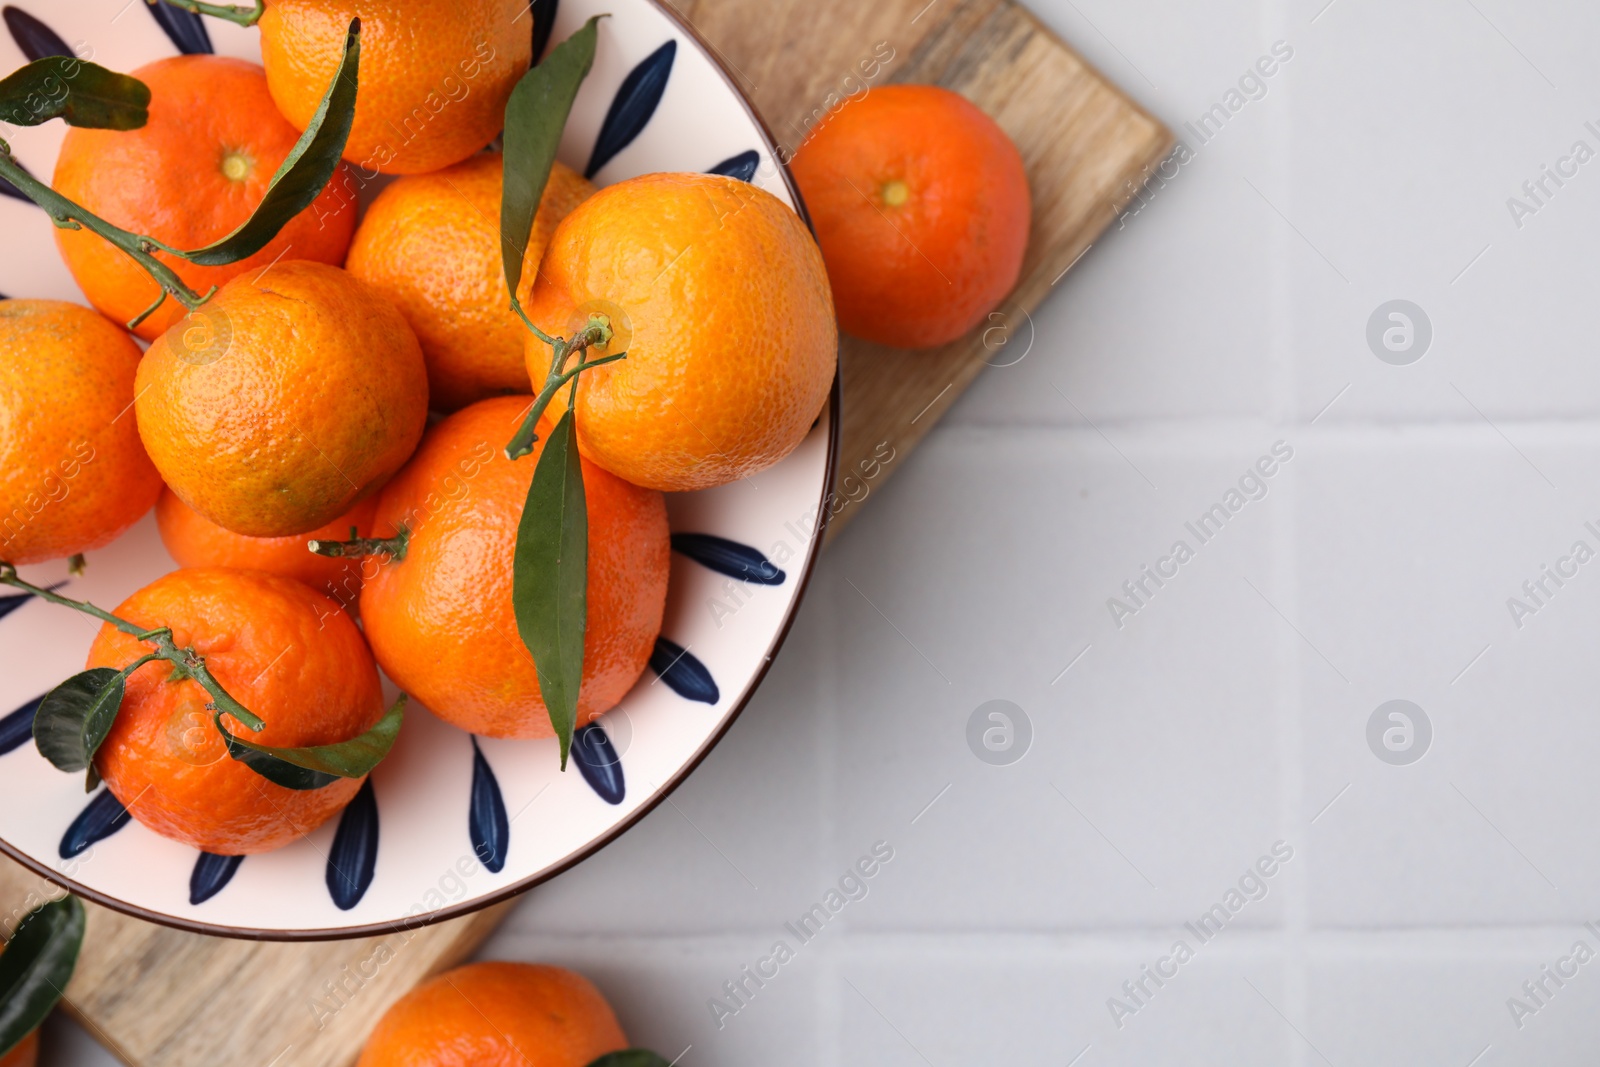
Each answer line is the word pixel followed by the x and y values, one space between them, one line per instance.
pixel 161 998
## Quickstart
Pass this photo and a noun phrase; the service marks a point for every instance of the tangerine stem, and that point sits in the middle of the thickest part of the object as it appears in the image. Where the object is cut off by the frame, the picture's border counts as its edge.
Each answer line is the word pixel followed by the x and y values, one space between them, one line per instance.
pixel 69 216
pixel 358 547
pixel 598 332
pixel 243 16
pixel 516 305
pixel 184 659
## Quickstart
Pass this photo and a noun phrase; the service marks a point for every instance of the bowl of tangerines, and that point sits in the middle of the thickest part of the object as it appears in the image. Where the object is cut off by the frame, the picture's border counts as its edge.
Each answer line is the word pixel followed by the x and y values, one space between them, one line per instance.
pixel 417 425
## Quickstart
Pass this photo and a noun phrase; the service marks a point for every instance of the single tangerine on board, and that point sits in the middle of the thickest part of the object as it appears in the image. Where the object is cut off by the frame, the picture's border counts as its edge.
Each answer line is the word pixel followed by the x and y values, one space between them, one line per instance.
pixel 922 208
pixel 191 175
pixel 497 1015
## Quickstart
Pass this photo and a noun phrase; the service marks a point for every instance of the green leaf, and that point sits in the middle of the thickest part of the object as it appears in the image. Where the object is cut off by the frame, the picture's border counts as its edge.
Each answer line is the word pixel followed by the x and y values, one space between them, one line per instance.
pixel 81 93
pixel 551 576
pixel 36 966
pixel 319 765
pixel 304 173
pixel 75 716
pixel 633 1057
pixel 535 116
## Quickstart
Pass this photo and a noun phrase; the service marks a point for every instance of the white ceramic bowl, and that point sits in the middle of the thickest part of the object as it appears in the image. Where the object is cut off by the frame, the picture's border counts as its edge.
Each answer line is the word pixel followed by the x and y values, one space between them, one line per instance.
pixel 448 823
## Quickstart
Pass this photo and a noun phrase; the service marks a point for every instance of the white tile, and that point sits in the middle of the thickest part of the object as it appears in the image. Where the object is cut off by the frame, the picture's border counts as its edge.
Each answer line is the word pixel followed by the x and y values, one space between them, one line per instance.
pixel 1382 1002
pixel 1412 126
pixel 975 1006
pixel 1413 607
pixel 1152 780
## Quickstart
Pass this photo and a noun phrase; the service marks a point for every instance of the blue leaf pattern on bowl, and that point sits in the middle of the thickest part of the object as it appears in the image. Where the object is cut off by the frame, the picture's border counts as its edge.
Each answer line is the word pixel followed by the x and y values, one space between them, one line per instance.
pixel 544 20
pixel 183 27
pixel 599 763
pixel 354 857
pixel 728 557
pixel 487 824
pixel 633 106
pixel 32 36
pixel 103 817
pixel 17 728
pixel 683 674
pixel 11 603
pixel 742 166
pixel 7 189
pixel 211 875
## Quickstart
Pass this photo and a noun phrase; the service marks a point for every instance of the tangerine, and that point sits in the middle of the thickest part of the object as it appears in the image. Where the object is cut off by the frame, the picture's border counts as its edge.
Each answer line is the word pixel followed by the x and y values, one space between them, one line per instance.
pixel 191 175
pixel 24 1054
pixel 441 620
pixel 195 541
pixel 921 205
pixel 718 295
pixel 284 400
pixel 73 474
pixel 431 244
pixel 282 650
pixel 435 74
pixel 497 1015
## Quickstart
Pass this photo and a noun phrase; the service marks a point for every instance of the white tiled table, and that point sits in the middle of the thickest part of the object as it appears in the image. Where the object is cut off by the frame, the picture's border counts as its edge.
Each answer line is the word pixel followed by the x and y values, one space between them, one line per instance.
pixel 1231 712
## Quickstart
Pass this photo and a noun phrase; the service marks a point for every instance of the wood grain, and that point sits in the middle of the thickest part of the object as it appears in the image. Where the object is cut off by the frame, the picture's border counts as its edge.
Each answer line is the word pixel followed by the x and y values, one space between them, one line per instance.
pixel 157 996
pixel 162 998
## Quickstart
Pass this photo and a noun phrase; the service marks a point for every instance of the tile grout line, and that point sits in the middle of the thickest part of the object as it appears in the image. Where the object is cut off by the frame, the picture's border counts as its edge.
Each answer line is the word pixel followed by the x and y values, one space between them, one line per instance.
pixel 1291 743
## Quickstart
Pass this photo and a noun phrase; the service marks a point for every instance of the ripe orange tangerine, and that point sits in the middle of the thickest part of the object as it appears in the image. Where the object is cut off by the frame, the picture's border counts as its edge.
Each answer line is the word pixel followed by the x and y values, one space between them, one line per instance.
pixel 922 208
pixel 718 294
pixel 283 651
pixel 188 177
pixel 497 1015
pixel 26 1053
pixel 195 541
pixel 73 473
pixel 435 74
pixel 441 620
pixel 431 244
pixel 284 400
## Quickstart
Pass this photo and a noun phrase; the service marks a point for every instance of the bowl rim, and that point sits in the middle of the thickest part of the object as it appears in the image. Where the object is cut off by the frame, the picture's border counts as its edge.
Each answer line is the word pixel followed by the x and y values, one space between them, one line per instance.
pixel 506 893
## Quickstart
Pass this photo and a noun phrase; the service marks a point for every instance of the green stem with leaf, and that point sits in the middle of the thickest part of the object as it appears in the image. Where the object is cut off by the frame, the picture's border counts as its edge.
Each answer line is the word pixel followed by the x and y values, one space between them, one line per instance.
pixel 74 719
pixel 551 565
pixel 70 216
pixel 243 16
pixel 596 333
pixel 186 662
pixel 87 95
